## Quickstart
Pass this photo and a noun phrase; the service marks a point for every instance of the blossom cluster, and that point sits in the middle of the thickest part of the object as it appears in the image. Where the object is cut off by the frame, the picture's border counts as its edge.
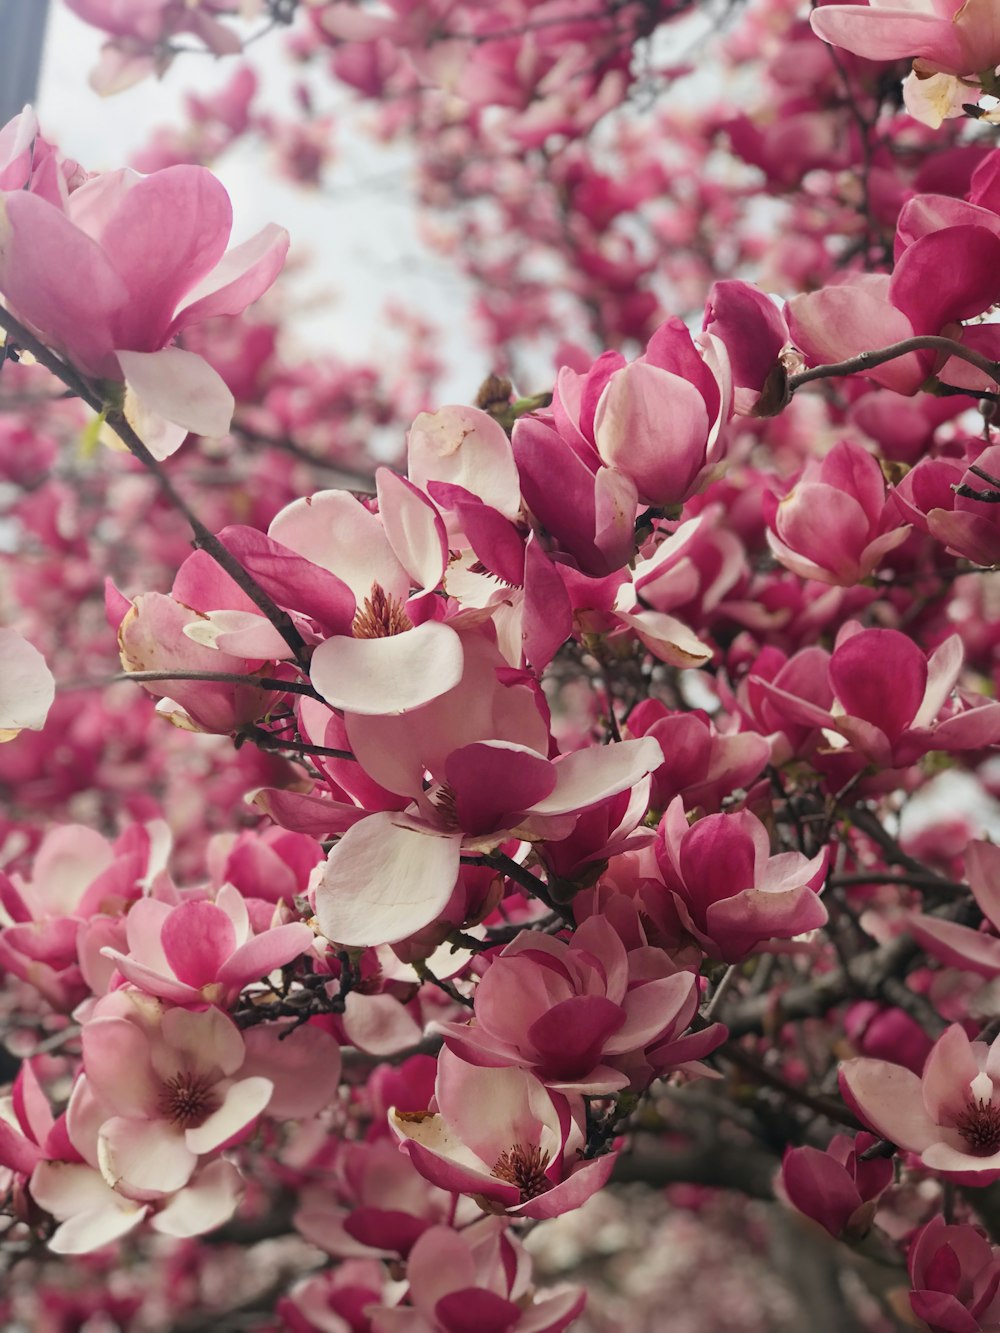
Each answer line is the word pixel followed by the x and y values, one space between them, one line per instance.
pixel 568 755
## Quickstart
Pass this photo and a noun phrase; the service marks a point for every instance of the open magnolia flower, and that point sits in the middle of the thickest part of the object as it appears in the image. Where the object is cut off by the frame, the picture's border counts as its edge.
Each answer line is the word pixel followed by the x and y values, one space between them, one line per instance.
pixel 949 1117
pixel 111 274
pixel 503 1137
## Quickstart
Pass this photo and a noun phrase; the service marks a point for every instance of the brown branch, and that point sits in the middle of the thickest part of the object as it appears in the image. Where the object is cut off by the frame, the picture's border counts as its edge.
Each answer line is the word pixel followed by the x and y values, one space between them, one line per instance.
pixel 864 361
pixel 204 539
pixel 221 677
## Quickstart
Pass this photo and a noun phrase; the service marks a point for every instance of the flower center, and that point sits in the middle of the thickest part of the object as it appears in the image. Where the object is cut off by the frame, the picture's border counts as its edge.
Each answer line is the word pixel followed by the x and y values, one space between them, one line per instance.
pixel 380 617
pixel 446 804
pixel 979 1125
pixel 525 1168
pixel 187 1100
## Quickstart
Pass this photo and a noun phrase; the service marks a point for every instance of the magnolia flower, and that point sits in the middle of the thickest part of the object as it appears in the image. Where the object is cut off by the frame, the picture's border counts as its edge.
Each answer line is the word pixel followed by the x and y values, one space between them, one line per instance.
pixel 949 1117
pixel 166 1094
pixel 730 893
pixel 580 1014
pixel 503 1137
pixel 128 262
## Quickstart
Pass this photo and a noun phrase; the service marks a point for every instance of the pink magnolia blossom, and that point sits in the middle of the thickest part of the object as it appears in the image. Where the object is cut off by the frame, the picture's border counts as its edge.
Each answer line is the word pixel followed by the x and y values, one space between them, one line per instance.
pixel 478 1278
pixel 705 765
pixel 836 525
pixel 91 1214
pixel 27 687
pixel 388 1204
pixel 730 893
pixel 80 884
pixel 140 34
pixel 503 1137
pixel 837 1188
pixel 126 264
pixel 587 1016
pixel 949 1117
pixel 955 1276
pixel 753 331
pixel 871 310
pixel 892 703
pixel 485 748
pixel 167 1092
pixel 966 525
pixel 198 952
pixel 948 36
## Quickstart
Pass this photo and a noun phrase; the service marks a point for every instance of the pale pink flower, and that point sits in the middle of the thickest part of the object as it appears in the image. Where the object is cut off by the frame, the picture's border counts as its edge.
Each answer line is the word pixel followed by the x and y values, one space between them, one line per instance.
pixel 949 1117
pixel 503 1137
pixel 166 1092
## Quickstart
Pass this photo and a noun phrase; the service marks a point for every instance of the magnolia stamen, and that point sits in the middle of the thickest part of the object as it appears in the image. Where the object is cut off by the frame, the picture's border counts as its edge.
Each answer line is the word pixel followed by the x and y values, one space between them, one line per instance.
pixel 187 1100
pixel 380 617
pixel 525 1168
pixel 979 1125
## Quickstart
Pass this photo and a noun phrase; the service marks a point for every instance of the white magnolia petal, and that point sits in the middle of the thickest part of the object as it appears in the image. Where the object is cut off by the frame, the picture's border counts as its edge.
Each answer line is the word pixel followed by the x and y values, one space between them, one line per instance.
pixel 591 775
pixel 26 685
pixel 243 1102
pixel 177 388
pixel 384 880
pixel 374 677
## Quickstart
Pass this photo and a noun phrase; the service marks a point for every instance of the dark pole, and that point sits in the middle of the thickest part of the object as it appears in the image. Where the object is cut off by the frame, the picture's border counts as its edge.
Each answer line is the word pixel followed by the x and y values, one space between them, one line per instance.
pixel 22 32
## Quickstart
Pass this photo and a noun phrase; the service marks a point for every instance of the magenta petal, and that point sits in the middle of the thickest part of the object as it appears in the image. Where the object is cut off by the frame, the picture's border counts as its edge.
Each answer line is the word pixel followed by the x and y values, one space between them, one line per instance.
pixel 291 579
pixel 883 33
pixel 957 946
pixel 476 1310
pixel 493 781
pixel 820 1187
pixel 261 955
pixel 880 675
pixel 197 939
pixel 60 281
pixel 982 869
pixel 572 1192
pixel 167 232
pixel 570 1036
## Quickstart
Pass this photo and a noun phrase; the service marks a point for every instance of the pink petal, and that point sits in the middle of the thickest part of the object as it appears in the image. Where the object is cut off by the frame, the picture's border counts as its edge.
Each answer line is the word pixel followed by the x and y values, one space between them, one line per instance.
pixel 629 435
pixel 265 952
pixel 982 869
pixel 27 686
pixel 468 448
pixel 60 281
pixel 197 939
pixel 92 1214
pixel 302 1064
pixel 493 780
pixel 167 232
pixel 588 776
pixel 414 529
pixel 206 1202
pixel 116 1055
pixel 144 1155
pixel 887 1098
pixel 242 275
pixel 880 676
pixel 337 532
